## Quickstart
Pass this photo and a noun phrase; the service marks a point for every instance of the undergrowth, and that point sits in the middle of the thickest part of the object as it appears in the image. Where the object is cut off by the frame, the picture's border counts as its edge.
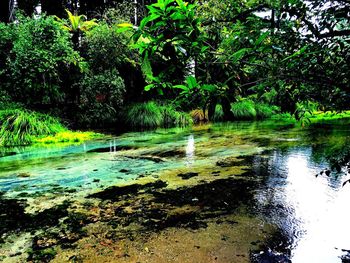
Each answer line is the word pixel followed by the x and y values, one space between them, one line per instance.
pixel 20 127
pixel 152 115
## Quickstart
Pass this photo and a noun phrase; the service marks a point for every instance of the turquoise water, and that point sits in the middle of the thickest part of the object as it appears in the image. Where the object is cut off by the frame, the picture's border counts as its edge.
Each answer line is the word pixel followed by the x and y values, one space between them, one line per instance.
pixel 275 163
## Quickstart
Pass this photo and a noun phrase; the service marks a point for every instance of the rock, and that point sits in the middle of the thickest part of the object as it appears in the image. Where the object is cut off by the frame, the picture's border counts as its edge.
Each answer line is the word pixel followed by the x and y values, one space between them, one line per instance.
pixel 229 162
pixel 188 175
pixel 110 149
pixel 23 174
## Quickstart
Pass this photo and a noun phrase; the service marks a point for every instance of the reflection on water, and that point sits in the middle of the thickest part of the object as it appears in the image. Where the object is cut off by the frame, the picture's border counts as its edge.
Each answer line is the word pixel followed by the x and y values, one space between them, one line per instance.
pixel 190 148
pixel 311 211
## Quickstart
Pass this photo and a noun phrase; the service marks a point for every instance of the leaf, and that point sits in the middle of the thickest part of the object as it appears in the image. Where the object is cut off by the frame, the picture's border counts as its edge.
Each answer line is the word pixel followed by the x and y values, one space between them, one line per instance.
pixel 149 87
pixel 148 19
pixel 262 38
pixel 128 25
pixel 347 181
pixel 183 87
pixel 191 82
pixel 299 52
pixel 209 87
pixel 123 29
pixel 239 54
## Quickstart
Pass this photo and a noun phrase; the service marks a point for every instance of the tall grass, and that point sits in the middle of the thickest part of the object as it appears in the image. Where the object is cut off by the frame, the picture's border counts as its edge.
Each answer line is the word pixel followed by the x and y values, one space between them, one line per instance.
pixel 218 114
pixel 264 111
pixel 243 110
pixel 171 117
pixel 250 110
pixel 19 127
pixel 152 115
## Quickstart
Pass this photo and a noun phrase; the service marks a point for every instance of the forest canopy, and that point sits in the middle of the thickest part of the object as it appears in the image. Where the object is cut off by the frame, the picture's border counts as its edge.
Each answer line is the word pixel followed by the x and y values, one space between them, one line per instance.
pixel 90 60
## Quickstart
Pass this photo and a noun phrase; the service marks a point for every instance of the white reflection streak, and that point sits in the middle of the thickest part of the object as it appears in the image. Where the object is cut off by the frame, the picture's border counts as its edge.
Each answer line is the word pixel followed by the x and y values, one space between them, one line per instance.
pixel 190 149
pixel 320 211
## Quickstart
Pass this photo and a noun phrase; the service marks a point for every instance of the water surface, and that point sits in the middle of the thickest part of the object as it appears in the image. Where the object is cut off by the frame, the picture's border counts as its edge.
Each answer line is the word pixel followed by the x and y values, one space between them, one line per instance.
pixel 237 192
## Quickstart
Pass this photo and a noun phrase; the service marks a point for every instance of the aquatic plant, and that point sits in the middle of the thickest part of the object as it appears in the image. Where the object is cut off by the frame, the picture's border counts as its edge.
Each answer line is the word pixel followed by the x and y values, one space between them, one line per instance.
pixel 243 110
pixel 19 127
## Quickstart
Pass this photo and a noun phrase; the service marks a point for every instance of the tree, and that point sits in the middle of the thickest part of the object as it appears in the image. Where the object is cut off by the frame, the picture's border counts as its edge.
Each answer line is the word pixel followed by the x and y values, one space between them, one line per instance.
pixel 168 39
pixel 77 24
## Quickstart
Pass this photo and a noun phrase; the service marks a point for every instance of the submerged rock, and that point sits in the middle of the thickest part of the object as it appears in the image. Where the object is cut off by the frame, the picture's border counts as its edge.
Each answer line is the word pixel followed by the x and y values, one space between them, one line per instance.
pixel 117 193
pixel 148 158
pixel 188 175
pixel 230 162
pixel 111 149
pixel 25 174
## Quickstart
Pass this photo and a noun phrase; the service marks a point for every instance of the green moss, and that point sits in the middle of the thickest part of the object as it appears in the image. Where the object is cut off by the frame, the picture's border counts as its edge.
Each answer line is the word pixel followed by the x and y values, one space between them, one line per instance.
pixel 20 127
pixel 68 137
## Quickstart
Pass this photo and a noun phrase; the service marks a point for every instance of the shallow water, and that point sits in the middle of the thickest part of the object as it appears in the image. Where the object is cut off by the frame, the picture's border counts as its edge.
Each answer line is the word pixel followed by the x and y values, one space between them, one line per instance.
pixel 236 192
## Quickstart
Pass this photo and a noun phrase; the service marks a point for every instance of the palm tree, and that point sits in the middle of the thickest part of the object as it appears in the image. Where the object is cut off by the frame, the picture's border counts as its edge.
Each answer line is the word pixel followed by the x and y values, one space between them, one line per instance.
pixel 77 24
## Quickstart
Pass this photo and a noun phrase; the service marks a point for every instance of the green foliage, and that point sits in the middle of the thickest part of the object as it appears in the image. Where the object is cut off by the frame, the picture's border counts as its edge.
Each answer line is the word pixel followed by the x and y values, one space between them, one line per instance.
pixel 171 117
pixel 264 111
pixel 101 97
pixel 243 110
pixel 77 23
pixel 67 137
pixel 143 115
pixel 106 48
pixel 168 39
pixel 218 114
pixel 152 115
pixel 19 127
pixel 249 110
pixel 40 54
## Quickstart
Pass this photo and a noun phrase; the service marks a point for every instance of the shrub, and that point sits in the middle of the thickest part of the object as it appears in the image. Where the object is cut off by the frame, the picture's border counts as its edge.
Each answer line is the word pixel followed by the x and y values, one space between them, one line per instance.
pixel 152 115
pixel 198 116
pixel 101 96
pixel 218 113
pixel 106 48
pixel 19 127
pixel 172 117
pixel 243 110
pixel 41 54
pixel 143 115
pixel 264 111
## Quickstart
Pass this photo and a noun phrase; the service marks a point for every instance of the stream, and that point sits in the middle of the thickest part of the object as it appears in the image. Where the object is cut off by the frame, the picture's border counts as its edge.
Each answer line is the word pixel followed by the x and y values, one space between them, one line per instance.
pixel 236 192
